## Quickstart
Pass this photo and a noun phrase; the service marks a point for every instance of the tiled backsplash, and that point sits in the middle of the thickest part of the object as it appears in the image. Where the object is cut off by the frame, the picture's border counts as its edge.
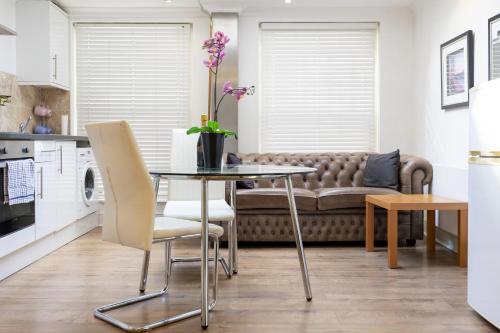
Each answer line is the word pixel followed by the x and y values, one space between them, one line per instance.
pixel 24 99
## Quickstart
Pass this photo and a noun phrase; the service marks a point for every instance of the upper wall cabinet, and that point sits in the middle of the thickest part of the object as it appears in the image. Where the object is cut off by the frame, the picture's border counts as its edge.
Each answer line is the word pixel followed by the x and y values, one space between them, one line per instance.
pixel 42 44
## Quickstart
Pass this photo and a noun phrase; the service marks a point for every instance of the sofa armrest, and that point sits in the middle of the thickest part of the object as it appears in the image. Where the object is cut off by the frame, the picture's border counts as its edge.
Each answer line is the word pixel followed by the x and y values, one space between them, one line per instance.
pixel 414 173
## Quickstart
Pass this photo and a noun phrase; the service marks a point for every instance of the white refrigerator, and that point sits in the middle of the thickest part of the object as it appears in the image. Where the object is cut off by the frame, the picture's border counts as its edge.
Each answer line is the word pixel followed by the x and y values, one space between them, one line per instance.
pixel 484 201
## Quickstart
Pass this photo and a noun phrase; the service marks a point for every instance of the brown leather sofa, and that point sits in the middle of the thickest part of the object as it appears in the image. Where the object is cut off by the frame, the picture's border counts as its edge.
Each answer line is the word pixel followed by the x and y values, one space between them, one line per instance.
pixel 330 201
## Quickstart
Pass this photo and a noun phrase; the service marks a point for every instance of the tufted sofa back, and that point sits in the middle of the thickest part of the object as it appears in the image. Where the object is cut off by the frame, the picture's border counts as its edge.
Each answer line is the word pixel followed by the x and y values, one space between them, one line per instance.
pixel 338 170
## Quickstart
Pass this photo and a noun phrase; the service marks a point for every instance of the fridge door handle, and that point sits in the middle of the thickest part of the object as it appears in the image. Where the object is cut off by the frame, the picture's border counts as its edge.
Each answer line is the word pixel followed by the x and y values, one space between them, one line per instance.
pixel 484 160
pixel 484 153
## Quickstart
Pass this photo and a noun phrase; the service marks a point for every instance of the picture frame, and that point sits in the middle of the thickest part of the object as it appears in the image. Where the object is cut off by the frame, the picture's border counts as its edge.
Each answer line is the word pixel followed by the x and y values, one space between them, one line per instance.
pixel 457 70
pixel 494 47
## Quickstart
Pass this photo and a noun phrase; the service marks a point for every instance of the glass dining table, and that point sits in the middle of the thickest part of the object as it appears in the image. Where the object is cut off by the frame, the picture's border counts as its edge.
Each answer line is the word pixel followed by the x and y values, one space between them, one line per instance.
pixel 233 173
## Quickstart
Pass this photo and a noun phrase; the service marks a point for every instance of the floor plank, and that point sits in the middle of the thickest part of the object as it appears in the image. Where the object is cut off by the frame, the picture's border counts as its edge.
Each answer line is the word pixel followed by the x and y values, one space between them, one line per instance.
pixel 353 290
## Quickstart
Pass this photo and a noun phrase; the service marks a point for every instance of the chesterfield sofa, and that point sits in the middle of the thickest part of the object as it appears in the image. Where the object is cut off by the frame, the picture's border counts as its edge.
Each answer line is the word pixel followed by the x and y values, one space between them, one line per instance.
pixel 330 201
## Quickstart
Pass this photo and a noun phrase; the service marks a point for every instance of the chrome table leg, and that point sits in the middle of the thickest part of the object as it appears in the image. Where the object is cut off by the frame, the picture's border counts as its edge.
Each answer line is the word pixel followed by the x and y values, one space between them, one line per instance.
pixel 298 238
pixel 156 185
pixel 234 231
pixel 204 253
pixel 216 268
pixel 230 248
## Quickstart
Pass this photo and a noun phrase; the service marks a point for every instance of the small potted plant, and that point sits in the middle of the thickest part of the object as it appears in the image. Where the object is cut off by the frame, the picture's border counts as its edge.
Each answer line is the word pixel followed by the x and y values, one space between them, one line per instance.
pixel 212 136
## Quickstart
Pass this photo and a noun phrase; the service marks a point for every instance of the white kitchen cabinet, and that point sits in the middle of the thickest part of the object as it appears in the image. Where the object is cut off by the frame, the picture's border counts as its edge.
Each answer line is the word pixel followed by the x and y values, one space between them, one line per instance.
pixel 42 44
pixel 65 183
pixel 46 220
pixel 55 175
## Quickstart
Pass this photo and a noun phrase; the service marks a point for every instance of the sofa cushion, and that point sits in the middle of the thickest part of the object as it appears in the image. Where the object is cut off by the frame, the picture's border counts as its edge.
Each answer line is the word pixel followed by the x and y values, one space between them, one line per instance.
pixel 275 198
pixel 347 197
pixel 382 170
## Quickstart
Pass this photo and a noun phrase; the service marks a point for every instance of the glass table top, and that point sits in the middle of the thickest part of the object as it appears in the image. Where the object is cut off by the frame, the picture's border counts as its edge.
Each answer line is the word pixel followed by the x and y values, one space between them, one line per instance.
pixel 247 170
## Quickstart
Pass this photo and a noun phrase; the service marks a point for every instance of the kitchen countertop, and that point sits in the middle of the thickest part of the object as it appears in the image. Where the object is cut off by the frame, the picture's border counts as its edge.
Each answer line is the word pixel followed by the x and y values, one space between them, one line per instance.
pixel 33 137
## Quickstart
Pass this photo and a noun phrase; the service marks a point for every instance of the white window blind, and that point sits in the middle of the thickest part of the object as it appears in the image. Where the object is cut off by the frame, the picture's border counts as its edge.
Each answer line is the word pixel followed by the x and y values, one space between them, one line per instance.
pixel 318 87
pixel 139 73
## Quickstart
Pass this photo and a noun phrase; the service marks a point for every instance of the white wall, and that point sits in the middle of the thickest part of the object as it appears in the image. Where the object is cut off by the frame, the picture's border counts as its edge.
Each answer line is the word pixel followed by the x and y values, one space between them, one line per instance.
pixel 442 136
pixel 8 43
pixel 396 119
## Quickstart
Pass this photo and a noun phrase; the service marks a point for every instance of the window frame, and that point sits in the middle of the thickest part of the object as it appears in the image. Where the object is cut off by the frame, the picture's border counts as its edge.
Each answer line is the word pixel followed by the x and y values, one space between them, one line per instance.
pixel 300 26
pixel 144 22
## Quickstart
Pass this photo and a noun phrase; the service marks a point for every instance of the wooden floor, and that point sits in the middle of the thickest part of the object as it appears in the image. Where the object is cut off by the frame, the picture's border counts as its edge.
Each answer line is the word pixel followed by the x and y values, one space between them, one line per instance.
pixel 354 291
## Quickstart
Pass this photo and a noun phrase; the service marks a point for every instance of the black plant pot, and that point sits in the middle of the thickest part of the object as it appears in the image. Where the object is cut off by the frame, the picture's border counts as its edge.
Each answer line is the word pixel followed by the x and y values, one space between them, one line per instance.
pixel 213 147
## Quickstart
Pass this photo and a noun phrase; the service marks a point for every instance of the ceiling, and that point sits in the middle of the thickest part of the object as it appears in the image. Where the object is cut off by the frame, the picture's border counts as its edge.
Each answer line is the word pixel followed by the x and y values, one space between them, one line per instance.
pixel 246 4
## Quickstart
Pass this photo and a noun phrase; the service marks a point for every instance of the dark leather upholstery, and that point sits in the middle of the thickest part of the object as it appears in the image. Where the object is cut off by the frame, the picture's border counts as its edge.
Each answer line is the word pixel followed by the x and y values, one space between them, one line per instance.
pixel 346 197
pixel 338 193
pixel 272 198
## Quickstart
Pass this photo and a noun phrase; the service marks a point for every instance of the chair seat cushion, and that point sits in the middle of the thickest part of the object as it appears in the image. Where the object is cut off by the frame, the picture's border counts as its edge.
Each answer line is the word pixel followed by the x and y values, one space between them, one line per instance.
pixel 167 227
pixel 218 210
pixel 275 198
pixel 347 197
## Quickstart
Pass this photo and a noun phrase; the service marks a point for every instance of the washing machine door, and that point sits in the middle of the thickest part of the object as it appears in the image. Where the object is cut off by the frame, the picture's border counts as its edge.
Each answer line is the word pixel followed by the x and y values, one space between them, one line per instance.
pixel 88 185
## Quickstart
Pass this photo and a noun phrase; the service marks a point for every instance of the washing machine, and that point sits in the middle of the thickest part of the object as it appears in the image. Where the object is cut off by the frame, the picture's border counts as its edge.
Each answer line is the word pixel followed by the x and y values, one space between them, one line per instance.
pixel 87 180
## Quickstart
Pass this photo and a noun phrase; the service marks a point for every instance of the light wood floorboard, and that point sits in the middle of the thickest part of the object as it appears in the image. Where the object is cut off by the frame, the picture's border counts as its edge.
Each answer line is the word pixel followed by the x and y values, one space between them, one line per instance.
pixel 353 290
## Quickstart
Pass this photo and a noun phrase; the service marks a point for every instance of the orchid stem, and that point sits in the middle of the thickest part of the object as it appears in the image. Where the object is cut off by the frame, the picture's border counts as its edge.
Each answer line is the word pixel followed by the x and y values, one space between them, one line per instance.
pixel 218 104
pixel 215 88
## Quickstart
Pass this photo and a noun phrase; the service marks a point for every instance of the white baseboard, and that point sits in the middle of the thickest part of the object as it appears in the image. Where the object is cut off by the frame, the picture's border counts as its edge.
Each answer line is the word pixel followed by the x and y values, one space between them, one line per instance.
pixel 27 255
pixel 446 239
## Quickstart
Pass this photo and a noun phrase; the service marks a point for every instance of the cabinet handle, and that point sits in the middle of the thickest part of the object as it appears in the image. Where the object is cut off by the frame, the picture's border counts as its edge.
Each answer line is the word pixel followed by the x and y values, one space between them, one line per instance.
pixel 55 66
pixel 61 160
pixel 41 182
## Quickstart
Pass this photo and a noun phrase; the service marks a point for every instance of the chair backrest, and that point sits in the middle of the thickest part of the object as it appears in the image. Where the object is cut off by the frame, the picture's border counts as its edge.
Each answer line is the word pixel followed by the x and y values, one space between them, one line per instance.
pixel 129 207
pixel 184 153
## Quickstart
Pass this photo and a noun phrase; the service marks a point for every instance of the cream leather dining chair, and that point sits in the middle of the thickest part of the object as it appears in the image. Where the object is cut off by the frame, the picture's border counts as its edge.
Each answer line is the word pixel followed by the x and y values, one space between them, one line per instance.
pixel 184 199
pixel 129 213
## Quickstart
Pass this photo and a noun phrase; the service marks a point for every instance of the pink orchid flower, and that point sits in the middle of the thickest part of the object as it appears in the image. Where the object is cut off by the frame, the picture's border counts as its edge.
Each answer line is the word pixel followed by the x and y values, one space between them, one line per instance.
pixel 215 48
pixel 227 88
pixel 211 62
pixel 239 92
pixel 221 38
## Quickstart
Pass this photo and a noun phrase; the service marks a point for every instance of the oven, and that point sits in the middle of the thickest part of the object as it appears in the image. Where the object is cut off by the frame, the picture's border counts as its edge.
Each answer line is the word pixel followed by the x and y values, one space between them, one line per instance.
pixel 16 217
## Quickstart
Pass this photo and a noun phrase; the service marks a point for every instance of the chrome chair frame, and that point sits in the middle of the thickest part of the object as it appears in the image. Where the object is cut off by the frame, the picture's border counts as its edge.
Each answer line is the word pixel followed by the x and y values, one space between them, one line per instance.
pixel 231 266
pixel 100 312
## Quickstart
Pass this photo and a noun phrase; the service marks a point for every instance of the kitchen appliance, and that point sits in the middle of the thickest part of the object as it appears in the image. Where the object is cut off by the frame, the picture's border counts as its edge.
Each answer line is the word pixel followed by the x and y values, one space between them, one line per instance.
pixel 87 178
pixel 20 216
pixel 484 208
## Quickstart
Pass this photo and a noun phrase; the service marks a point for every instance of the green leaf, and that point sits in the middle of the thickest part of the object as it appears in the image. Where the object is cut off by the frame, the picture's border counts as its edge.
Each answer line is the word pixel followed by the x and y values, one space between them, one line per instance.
pixel 214 125
pixel 193 130
pixel 207 129
pixel 228 133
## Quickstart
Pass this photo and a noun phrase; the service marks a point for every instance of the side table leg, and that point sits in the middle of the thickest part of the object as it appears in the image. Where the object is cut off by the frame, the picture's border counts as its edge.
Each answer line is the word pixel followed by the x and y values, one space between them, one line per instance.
pixel 392 238
pixel 369 227
pixel 462 237
pixel 431 231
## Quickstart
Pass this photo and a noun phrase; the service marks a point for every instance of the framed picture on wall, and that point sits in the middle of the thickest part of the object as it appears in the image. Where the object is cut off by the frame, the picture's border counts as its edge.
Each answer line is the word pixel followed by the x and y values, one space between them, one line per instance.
pixel 457 70
pixel 494 47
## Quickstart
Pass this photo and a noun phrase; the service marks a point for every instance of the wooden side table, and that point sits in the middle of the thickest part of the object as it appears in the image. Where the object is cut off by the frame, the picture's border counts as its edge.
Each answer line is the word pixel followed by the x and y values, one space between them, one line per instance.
pixel 396 202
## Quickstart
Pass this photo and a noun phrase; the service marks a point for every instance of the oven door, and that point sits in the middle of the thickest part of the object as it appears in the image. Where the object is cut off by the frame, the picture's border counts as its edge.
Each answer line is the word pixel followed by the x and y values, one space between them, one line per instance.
pixel 16 217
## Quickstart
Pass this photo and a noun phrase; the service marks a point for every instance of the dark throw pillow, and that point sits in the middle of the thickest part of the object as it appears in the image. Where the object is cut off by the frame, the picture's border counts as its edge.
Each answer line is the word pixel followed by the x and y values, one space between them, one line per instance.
pixel 382 170
pixel 240 184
